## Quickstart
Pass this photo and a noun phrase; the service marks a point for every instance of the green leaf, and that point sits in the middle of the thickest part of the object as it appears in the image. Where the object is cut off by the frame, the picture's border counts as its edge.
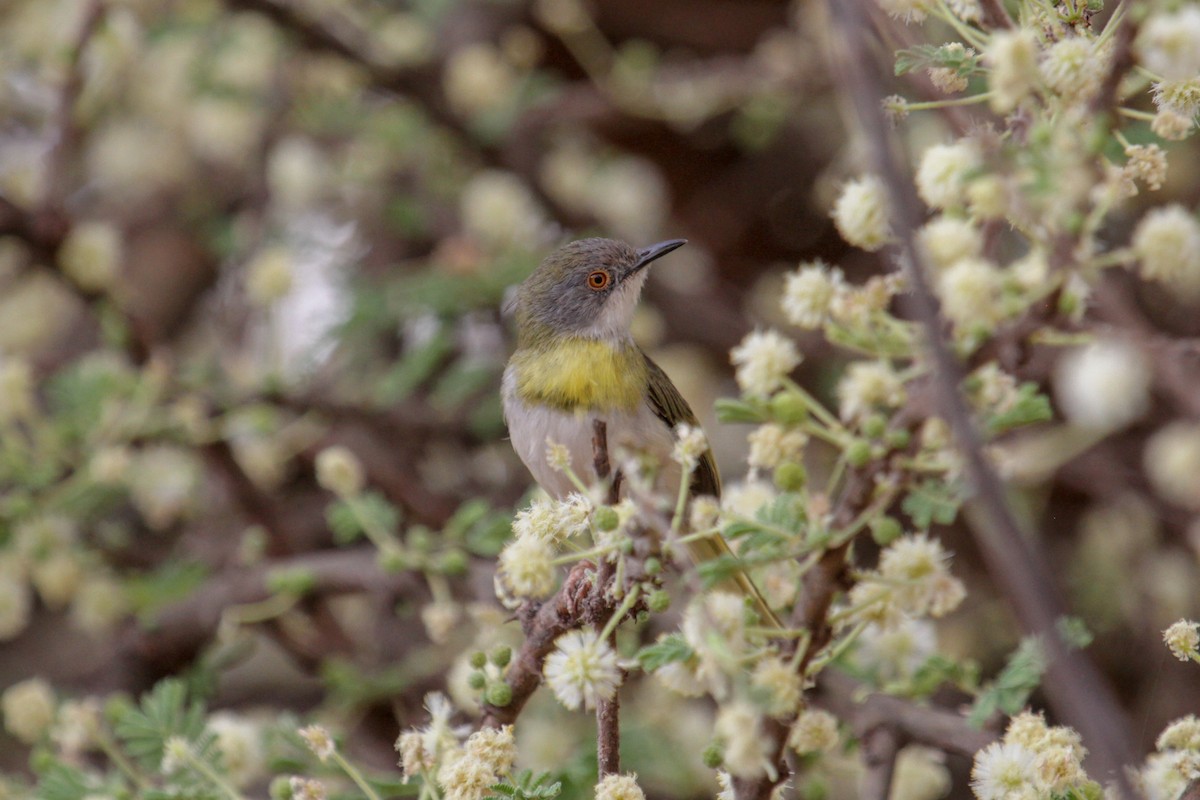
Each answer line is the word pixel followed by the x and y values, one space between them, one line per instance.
pixel 62 782
pixel 731 410
pixel 716 570
pixel 930 502
pixel 163 712
pixel 149 592
pixel 1011 689
pixel 527 786
pixel 669 648
pixel 1074 632
pixel 342 522
pixel 1030 406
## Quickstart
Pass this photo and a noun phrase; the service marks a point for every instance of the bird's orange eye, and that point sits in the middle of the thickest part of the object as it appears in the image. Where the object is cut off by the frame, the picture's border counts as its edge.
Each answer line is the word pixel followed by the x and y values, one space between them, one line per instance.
pixel 598 280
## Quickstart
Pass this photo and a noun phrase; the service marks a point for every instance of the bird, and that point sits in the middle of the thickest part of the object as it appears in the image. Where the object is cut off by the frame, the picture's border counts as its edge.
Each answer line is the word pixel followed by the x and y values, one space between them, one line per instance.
pixel 576 361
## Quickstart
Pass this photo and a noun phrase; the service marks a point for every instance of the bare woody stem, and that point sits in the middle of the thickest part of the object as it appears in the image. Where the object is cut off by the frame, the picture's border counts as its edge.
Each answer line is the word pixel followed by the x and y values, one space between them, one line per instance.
pixel 608 712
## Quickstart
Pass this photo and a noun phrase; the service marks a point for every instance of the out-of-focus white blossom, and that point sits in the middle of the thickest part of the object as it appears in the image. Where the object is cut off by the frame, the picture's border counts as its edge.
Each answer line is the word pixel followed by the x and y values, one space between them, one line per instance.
pixel 1012 58
pixel 942 175
pixel 1167 244
pixel 861 214
pixel 763 360
pixel 1104 385
pixel 1169 44
pixel 1172 463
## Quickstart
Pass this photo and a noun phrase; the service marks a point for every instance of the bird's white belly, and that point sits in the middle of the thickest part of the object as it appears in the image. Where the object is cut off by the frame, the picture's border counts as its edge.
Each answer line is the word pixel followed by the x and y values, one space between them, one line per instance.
pixel 531 427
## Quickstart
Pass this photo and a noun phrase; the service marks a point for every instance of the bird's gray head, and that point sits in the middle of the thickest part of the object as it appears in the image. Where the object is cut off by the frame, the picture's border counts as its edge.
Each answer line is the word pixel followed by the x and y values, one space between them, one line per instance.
pixel 588 287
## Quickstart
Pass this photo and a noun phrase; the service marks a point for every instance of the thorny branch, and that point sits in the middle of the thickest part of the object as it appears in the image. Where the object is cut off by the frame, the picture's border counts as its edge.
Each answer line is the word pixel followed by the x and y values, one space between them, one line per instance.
pixel 1073 684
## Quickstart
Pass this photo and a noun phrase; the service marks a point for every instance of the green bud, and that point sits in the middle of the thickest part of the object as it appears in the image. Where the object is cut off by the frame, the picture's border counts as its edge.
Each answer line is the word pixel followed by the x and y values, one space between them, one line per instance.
pixel 653 566
pixel 294 580
pixel 658 601
pixel 790 476
pixel 898 438
pixel 627 546
pixel 858 454
pixel 498 695
pixel 641 617
pixel 281 788
pixel 453 562
pixel 713 756
pixel 477 680
pixel 885 530
pixel 478 659
pixel 606 518
pixel 875 426
pixel 501 656
pixel 789 408
pixel 420 538
pixel 392 559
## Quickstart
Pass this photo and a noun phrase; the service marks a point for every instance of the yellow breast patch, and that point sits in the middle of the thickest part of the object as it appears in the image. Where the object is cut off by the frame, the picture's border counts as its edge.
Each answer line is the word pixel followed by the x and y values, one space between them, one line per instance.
pixel 582 375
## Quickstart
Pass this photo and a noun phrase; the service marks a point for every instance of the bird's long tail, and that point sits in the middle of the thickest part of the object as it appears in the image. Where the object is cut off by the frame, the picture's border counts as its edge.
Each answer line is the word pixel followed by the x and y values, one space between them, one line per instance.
pixel 739 582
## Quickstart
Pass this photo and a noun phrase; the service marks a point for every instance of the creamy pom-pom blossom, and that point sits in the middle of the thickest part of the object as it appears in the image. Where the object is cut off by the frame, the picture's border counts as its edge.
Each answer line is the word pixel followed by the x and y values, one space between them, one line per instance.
pixel 763 360
pixel 808 293
pixel 582 670
pixel 941 177
pixel 970 293
pixel 1183 640
pixel 1004 771
pixel 1072 69
pixel 1172 463
pixel 861 214
pixel 947 240
pixel 1169 44
pixel 619 787
pixel 1104 385
pixel 906 10
pixel 1167 244
pixel 527 567
pixel 1013 59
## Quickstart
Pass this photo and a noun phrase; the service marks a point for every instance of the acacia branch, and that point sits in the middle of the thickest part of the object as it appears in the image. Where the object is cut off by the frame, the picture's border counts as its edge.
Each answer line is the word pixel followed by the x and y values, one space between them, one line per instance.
pixel 1074 685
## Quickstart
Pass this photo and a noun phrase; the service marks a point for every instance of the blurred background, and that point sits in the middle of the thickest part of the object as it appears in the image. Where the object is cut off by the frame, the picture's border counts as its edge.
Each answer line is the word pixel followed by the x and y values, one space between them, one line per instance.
pixel 233 234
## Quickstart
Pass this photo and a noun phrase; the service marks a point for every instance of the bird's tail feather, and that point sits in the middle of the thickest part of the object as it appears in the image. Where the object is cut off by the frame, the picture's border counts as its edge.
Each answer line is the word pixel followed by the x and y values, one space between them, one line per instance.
pixel 715 546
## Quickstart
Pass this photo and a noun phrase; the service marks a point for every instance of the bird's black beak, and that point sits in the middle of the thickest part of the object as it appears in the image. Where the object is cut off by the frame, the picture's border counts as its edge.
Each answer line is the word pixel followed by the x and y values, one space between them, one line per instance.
pixel 648 254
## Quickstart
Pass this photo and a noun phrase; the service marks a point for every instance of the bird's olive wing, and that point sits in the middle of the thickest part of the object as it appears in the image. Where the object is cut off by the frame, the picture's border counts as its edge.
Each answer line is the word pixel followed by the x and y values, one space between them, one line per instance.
pixel 668 404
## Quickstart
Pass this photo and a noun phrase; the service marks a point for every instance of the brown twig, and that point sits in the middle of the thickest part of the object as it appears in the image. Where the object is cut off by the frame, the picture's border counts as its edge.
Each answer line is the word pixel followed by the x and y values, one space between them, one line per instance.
pixel 880 746
pixel 177 633
pixel 608 712
pixel 945 730
pixel 995 15
pixel 1074 686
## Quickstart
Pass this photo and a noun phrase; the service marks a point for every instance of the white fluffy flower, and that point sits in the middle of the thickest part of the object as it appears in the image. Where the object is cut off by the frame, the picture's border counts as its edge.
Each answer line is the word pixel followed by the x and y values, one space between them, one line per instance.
pixel 1071 68
pixel 582 670
pixel 947 240
pixel 868 386
pixel 1167 243
pixel 1013 59
pixel 763 360
pixel 28 709
pixel 619 787
pixel 906 10
pixel 747 749
pixel 808 293
pixel 1104 385
pixel 941 177
pixel 815 731
pixel 1183 640
pixel 1172 463
pixel 970 293
pixel 861 213
pixel 1169 44
pixel 1004 772
pixel 527 567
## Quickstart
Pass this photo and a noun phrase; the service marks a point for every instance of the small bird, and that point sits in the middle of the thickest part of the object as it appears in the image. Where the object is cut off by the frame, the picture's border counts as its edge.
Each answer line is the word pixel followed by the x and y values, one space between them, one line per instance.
pixel 576 361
